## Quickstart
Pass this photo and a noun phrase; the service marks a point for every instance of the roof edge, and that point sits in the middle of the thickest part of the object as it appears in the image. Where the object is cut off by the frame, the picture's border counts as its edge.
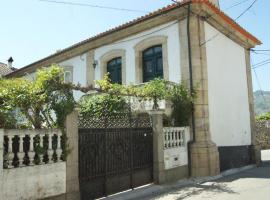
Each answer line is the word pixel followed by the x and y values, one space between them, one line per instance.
pixel 161 11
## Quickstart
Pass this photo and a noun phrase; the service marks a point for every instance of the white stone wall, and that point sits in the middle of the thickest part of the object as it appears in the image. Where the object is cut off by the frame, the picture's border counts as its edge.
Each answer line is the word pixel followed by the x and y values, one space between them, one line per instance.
pixel 171 30
pixel 78 64
pixel 35 182
pixel 227 90
pixel 176 149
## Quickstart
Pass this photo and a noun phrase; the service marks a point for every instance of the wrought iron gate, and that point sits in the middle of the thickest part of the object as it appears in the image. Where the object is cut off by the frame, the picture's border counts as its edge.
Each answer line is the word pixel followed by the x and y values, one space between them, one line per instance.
pixel 115 154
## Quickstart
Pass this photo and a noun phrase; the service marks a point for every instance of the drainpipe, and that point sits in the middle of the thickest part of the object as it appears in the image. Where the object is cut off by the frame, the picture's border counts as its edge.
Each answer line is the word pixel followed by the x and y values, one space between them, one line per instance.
pixel 191 88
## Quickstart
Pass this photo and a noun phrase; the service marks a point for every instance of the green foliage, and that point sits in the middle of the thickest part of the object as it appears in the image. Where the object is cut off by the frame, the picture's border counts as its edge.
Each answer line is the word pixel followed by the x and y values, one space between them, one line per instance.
pixel 30 104
pixel 262 117
pixel 158 89
pixel 95 105
pixel 182 102
pixel 155 90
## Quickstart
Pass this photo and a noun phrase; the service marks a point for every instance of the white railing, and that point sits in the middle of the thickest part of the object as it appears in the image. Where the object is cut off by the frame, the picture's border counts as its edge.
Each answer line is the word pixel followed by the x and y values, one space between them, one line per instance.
pixel 175 146
pixel 174 137
pixel 24 147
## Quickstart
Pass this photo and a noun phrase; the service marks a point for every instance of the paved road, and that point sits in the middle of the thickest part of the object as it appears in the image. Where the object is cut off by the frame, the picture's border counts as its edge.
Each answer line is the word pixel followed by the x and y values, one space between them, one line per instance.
pixel 252 184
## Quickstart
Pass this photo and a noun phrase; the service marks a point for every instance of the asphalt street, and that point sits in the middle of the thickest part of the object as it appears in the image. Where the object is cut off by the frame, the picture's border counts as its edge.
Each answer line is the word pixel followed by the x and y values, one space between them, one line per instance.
pixel 253 184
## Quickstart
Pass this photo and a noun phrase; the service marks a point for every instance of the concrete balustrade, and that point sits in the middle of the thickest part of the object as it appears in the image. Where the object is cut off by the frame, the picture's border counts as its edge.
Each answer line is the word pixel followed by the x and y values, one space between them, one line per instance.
pixel 30 143
pixel 22 175
pixel 175 137
pixel 175 146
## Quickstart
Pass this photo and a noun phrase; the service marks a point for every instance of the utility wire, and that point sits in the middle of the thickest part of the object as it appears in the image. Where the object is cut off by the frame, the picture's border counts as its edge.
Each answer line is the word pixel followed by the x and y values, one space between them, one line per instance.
pixel 239 16
pixel 236 4
pixel 248 8
pixel 254 50
pixel 259 85
pixel 258 82
pixel 94 6
pixel 259 53
pixel 260 63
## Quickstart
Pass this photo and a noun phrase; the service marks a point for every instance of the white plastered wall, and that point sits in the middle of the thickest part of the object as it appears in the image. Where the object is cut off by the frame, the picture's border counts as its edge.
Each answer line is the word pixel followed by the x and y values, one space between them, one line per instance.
pixel 171 30
pixel 229 114
pixel 78 64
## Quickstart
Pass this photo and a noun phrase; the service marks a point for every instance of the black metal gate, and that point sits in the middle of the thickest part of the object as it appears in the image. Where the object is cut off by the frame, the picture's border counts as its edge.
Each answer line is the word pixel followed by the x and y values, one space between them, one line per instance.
pixel 115 154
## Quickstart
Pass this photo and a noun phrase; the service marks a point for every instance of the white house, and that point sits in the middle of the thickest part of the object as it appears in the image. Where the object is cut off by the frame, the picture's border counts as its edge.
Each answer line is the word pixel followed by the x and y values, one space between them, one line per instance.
pixel 192 42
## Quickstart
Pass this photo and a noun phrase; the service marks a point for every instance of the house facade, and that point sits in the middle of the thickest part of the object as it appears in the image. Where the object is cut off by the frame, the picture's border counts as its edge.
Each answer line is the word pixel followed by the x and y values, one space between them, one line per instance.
pixel 192 42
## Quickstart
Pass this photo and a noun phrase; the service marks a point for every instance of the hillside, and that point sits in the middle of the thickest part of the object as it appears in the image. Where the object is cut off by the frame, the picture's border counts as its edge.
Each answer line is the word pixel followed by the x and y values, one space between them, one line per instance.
pixel 262 102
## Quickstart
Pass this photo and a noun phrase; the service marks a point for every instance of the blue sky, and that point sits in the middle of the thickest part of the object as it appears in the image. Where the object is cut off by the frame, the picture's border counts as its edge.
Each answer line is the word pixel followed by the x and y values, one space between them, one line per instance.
pixel 32 29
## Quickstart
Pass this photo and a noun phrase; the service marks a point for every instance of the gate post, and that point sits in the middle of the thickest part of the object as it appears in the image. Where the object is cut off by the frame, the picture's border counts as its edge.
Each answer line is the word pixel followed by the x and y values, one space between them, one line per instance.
pixel 72 164
pixel 158 144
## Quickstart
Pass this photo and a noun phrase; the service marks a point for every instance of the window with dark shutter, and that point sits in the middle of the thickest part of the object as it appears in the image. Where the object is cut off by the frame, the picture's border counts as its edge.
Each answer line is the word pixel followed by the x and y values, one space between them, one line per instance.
pixel 114 68
pixel 152 63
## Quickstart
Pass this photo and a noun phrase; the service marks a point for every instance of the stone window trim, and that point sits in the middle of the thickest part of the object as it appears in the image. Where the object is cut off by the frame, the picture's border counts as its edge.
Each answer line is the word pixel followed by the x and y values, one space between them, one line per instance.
pixel 116 53
pixel 68 69
pixel 145 44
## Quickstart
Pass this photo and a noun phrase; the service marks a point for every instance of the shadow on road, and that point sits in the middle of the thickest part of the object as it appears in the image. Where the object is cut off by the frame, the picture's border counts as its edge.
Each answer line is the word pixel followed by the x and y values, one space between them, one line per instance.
pixel 199 188
pixel 193 189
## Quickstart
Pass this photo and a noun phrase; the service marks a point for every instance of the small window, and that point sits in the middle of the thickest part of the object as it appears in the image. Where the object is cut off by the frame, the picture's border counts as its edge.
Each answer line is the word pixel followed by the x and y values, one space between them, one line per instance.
pixel 152 63
pixel 67 77
pixel 114 68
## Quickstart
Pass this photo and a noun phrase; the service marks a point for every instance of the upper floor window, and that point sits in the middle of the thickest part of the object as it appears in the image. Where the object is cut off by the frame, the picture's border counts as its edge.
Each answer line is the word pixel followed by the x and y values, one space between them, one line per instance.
pixel 152 63
pixel 114 68
pixel 67 77
pixel 68 74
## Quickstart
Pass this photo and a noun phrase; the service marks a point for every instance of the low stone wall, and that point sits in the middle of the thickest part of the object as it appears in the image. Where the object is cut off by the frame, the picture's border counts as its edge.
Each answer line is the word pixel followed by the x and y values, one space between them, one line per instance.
pixel 263 134
pixel 176 152
pixel 34 182
pixel 27 172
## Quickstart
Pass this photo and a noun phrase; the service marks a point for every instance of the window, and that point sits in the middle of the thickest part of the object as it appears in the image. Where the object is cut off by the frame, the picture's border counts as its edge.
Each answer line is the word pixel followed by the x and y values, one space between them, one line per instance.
pixel 67 77
pixel 68 74
pixel 114 68
pixel 152 63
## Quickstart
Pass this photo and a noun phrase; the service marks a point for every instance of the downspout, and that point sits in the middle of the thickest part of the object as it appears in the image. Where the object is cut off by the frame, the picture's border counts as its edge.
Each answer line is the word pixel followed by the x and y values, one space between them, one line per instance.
pixel 191 89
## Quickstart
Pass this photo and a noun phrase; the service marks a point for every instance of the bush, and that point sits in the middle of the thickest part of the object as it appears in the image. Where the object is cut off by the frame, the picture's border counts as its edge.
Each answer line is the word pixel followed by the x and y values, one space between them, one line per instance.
pixel 182 102
pixel 265 116
pixel 30 104
pixel 96 105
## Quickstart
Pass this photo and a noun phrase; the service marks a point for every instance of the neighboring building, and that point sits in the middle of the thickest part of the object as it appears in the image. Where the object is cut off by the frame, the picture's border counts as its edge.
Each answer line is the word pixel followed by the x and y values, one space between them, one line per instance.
pixel 158 45
pixel 6 69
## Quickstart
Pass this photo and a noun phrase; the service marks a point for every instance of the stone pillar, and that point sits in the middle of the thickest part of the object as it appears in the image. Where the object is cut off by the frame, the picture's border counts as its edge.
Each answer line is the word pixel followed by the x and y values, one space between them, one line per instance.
pixel 203 151
pixel 72 164
pixel 90 71
pixel 1 162
pixel 255 147
pixel 158 150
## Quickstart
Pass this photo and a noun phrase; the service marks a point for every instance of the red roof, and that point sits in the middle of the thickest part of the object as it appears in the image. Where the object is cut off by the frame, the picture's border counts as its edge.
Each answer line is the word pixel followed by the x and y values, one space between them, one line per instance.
pixel 229 20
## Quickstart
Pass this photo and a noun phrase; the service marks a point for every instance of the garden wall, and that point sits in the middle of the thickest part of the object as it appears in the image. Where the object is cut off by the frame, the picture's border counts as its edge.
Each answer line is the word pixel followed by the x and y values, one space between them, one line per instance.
pixel 263 133
pixel 28 180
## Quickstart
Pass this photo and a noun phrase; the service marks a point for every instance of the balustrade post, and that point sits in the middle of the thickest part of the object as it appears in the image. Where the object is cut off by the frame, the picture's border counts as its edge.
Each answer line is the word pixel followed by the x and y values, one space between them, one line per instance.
pixel 41 154
pixel 21 152
pixel 50 149
pixel 59 149
pixel 31 153
pixel 10 152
